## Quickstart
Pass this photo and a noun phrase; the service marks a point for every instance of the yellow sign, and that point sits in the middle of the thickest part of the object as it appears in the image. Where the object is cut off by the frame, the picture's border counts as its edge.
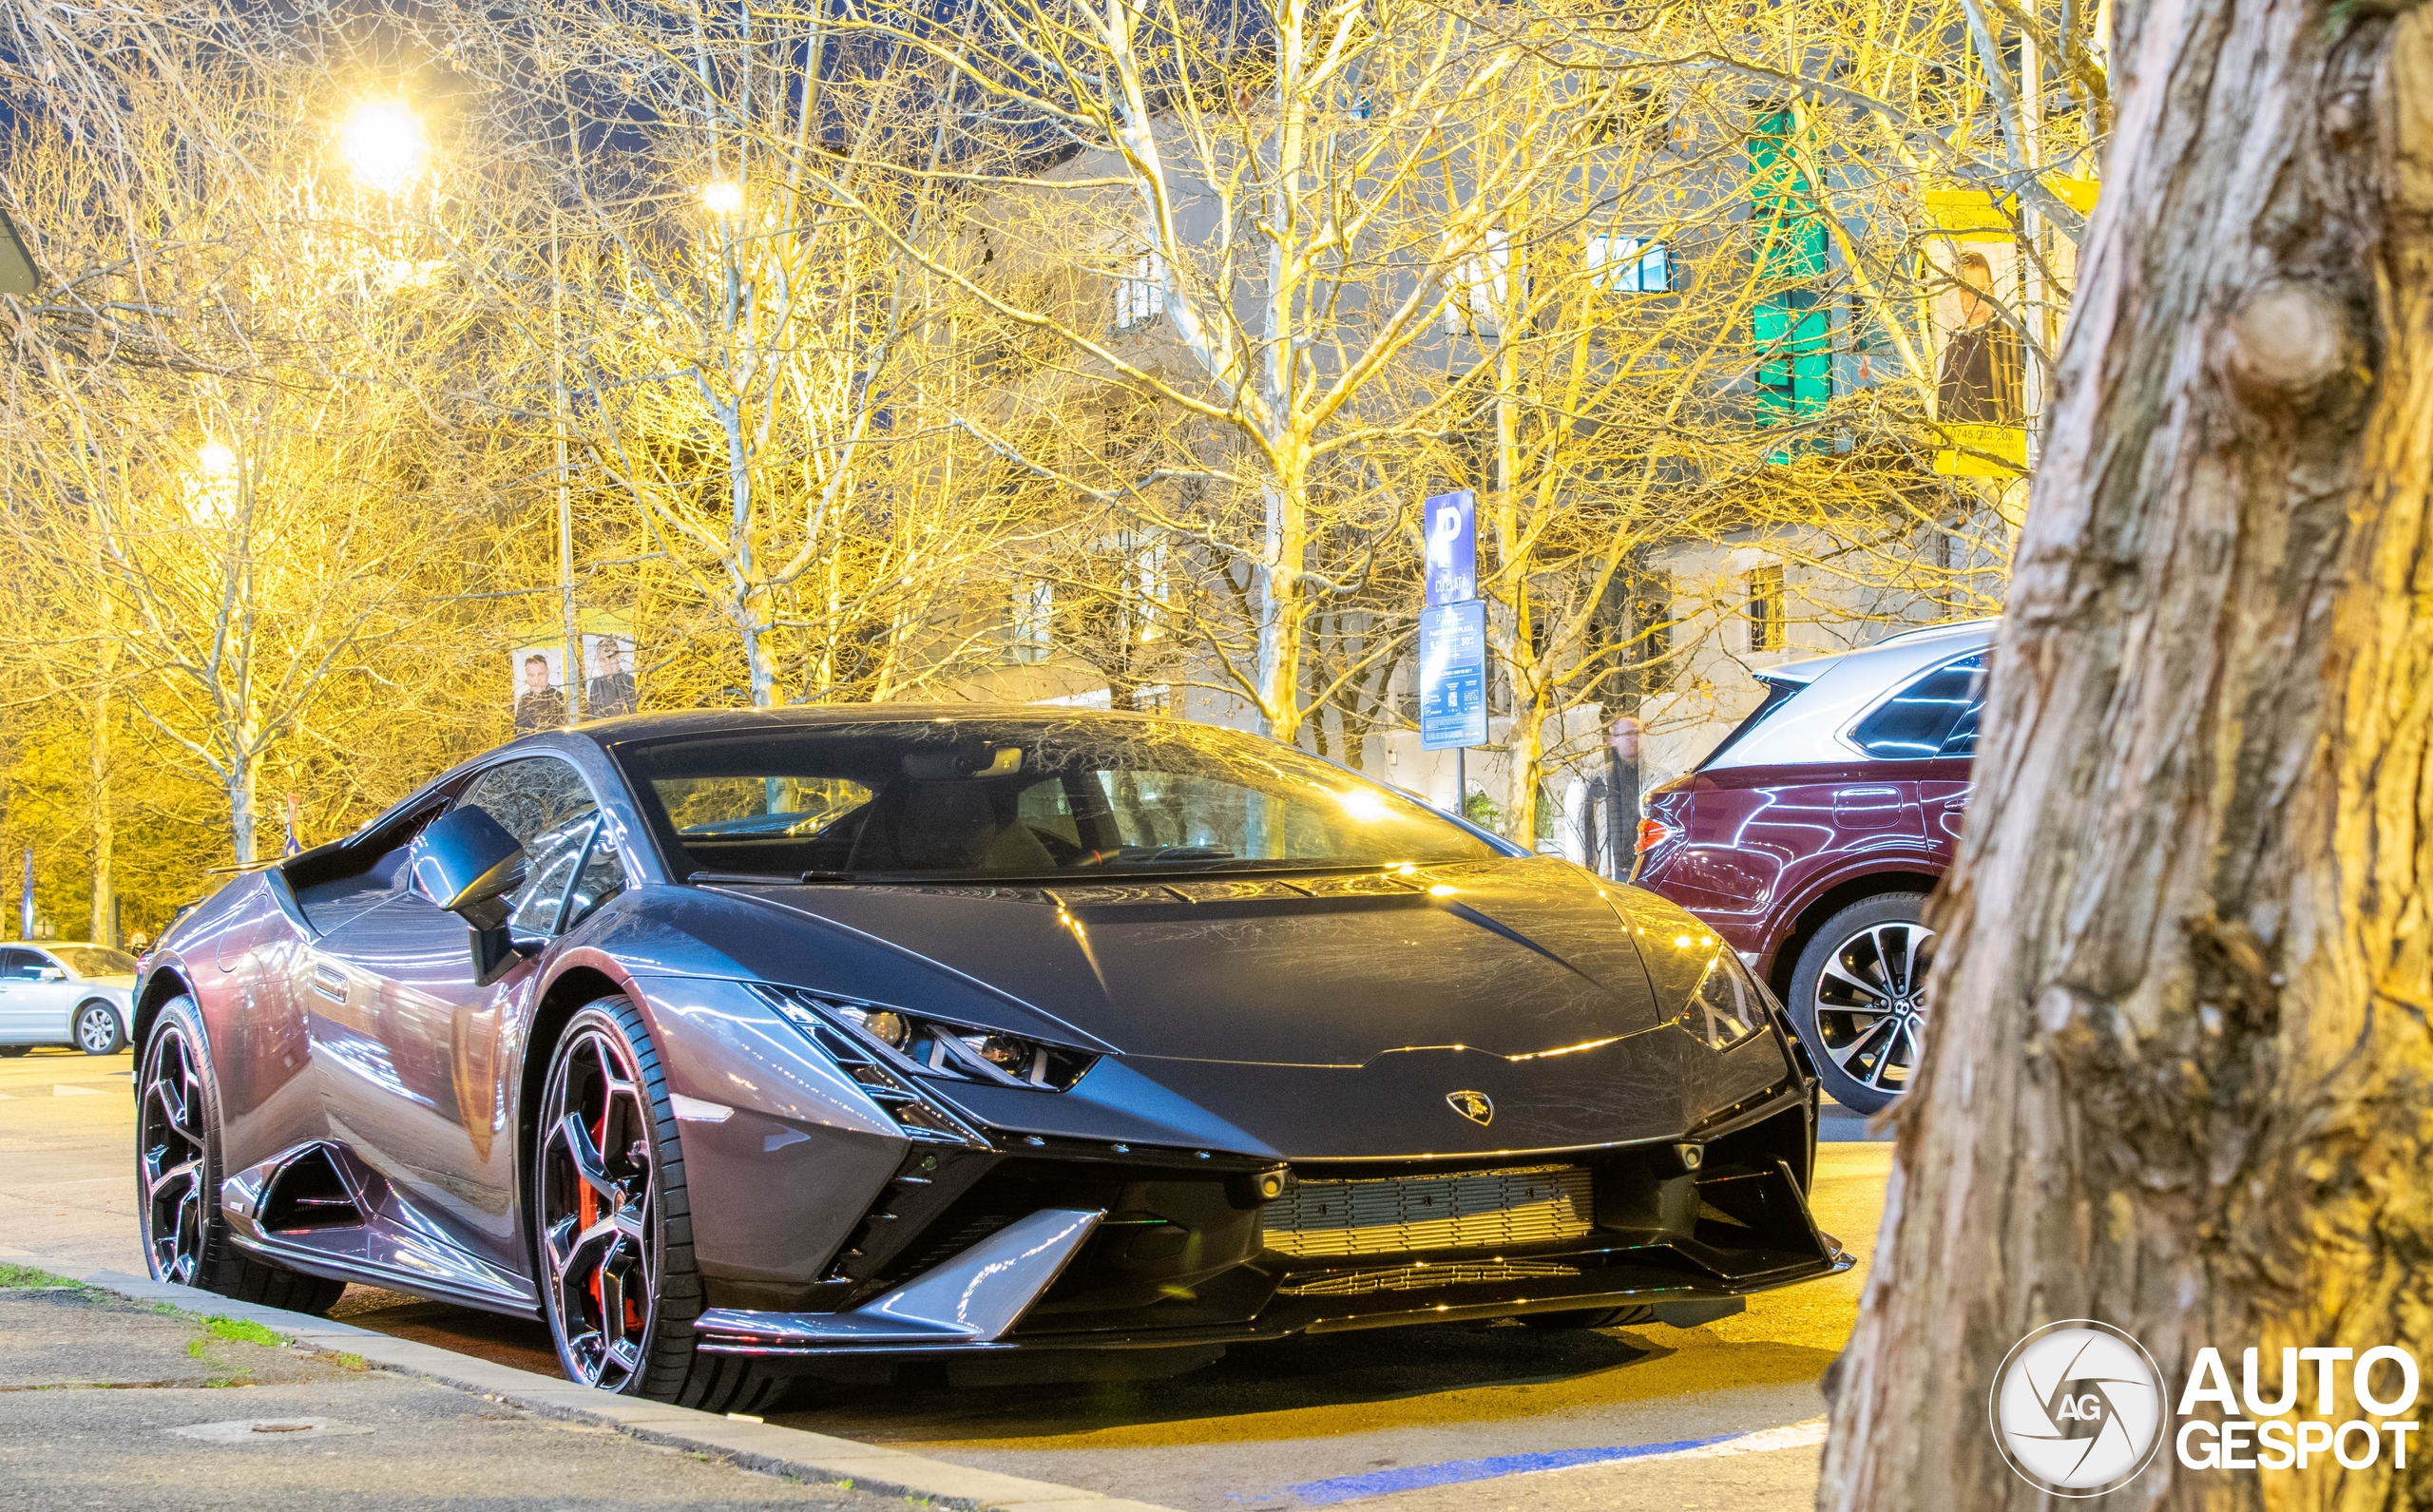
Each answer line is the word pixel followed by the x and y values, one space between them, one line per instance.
pixel 1976 215
pixel 1982 451
pixel 586 621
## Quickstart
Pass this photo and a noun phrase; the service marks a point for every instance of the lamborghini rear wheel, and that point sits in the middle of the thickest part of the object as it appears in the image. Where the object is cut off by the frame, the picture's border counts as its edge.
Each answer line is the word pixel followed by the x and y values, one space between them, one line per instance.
pixel 615 1229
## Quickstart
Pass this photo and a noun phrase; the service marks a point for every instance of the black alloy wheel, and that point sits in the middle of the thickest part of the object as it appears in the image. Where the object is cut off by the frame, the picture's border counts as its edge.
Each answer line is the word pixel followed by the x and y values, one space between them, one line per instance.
pixel 172 1159
pixel 613 1228
pixel 177 1177
pixel 98 1031
pixel 1858 999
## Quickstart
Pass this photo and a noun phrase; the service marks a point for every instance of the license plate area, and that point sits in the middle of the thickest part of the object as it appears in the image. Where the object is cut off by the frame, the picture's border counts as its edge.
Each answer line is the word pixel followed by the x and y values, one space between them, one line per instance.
pixel 1474 1210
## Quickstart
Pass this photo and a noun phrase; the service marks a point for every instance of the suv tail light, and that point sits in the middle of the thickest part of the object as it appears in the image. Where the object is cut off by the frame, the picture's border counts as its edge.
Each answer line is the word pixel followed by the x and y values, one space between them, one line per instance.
pixel 1652 833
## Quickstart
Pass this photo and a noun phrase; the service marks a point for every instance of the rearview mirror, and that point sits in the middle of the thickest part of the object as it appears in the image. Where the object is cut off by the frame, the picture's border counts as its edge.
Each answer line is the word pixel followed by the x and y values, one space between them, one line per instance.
pixel 466 862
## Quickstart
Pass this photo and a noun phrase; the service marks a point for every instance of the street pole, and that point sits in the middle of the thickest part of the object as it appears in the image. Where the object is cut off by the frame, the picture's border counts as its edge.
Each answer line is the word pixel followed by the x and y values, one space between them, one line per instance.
pixel 1621 793
pixel 1460 785
pixel 26 909
pixel 2036 300
pixel 565 507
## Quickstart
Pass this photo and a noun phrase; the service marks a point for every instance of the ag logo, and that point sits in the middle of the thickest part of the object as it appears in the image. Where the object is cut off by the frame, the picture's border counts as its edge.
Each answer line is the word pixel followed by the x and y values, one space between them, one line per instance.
pixel 2077 1407
pixel 1473 1107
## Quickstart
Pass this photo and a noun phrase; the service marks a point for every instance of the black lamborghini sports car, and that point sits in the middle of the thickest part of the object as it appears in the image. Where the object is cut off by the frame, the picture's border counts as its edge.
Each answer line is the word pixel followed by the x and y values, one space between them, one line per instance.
pixel 742 1046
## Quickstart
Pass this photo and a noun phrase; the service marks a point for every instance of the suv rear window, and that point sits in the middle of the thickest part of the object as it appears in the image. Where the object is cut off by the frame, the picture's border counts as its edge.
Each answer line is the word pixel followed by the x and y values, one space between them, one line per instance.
pixel 1935 715
pixel 1777 693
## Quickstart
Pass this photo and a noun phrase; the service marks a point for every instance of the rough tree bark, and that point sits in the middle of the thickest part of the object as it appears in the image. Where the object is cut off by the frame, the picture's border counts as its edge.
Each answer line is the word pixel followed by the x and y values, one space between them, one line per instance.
pixel 2181 1079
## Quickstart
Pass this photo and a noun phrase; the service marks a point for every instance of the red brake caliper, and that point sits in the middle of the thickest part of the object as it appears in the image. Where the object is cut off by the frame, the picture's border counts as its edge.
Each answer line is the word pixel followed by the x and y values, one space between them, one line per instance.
pixel 587 1204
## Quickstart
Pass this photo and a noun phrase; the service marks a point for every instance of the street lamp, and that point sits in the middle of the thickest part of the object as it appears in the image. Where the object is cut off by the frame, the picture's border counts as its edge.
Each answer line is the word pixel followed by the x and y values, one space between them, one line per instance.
pixel 211 488
pixel 722 197
pixel 383 143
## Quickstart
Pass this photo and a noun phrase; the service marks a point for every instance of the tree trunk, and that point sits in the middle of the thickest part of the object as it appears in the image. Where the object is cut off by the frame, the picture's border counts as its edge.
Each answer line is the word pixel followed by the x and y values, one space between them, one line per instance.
pixel 2179 1075
pixel 244 777
pixel 105 886
pixel 1281 626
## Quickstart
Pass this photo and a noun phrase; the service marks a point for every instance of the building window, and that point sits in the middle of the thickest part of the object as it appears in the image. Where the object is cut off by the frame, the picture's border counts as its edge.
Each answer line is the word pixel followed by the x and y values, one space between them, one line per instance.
pixel 1144 595
pixel 1478 287
pixel 1793 330
pixel 1033 629
pixel 1766 610
pixel 1141 291
pixel 1629 265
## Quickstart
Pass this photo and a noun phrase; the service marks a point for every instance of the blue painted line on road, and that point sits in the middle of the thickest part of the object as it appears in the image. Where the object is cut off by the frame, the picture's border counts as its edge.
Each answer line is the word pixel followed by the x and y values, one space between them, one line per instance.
pixel 1453 1472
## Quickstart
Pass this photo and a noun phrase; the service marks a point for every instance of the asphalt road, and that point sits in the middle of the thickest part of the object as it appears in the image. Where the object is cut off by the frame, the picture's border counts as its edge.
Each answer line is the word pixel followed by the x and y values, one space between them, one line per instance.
pixel 1416 1420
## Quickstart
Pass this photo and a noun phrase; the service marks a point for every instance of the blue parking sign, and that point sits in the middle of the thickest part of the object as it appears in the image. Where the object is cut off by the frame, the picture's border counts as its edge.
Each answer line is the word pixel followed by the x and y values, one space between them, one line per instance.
pixel 1452 675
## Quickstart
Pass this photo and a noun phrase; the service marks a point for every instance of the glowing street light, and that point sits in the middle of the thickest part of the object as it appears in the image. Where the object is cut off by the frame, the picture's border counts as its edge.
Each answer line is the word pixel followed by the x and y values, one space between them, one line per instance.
pixel 383 143
pixel 211 488
pixel 722 196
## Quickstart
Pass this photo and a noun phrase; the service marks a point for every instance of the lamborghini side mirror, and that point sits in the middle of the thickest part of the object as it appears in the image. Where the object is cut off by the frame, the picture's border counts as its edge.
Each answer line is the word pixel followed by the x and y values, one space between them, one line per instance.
pixel 466 862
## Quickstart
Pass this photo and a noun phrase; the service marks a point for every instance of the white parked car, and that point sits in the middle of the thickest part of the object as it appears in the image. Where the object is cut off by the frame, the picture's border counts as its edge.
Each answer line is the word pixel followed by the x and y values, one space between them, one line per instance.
pixel 82 995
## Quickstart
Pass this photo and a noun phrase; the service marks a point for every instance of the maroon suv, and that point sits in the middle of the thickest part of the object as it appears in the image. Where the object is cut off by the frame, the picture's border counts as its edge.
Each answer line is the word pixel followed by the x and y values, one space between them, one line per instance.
pixel 1809 839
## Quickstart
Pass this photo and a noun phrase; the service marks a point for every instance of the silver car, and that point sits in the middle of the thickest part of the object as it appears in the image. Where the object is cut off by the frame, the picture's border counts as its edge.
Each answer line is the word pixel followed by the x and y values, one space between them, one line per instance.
pixel 63 993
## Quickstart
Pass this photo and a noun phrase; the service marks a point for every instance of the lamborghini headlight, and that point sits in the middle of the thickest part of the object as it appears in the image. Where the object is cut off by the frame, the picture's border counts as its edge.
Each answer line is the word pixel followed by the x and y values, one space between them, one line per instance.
pixel 1729 1005
pixel 936 1047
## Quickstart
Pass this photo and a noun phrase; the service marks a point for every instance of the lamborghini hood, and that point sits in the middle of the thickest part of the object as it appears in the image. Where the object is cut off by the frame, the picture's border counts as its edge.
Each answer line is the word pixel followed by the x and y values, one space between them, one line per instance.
pixel 1512 958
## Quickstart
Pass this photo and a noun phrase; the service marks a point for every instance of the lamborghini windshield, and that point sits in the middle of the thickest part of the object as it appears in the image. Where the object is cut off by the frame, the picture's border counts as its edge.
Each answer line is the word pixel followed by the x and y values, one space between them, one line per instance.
pixel 999 799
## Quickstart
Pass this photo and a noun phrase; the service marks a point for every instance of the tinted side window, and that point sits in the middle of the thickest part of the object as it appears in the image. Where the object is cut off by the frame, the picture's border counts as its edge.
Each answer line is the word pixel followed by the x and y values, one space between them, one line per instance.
pixel 530 798
pixel 21 965
pixel 545 804
pixel 1934 715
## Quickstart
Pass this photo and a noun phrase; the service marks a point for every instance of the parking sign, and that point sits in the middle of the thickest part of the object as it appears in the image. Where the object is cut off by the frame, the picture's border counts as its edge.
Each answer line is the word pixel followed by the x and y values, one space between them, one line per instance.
pixel 1452 675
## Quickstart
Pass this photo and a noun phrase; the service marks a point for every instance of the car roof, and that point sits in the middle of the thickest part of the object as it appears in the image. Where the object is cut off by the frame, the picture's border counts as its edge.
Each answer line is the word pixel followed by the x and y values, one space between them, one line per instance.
pixel 703 721
pixel 1834 691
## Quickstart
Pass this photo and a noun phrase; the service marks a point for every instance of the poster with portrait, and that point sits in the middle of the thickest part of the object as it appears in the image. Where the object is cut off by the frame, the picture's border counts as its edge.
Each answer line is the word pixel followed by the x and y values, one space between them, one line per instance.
pixel 539 674
pixel 1981 363
pixel 1451 522
pixel 608 687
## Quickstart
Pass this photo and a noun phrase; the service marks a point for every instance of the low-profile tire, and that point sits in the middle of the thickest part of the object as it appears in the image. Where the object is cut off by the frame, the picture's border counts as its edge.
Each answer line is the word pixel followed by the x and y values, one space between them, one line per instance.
pixel 177 1173
pixel 613 1224
pixel 98 1030
pixel 1591 1317
pixel 1858 999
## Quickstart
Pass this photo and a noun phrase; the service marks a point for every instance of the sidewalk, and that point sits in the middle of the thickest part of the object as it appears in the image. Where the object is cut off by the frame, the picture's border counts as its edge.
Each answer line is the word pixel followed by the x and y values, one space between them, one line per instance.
pixel 119 1398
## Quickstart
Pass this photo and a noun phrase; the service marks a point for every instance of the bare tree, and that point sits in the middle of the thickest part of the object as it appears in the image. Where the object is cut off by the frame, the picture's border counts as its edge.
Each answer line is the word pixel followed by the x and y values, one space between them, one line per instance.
pixel 2175 1080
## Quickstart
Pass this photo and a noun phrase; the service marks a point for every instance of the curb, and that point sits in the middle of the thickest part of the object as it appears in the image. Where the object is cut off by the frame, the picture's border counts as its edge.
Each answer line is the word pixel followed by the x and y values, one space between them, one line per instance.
pixel 761 1447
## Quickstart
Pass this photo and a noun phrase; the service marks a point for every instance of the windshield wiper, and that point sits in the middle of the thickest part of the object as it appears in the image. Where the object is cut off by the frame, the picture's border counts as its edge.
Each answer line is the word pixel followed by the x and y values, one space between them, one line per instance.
pixel 770 878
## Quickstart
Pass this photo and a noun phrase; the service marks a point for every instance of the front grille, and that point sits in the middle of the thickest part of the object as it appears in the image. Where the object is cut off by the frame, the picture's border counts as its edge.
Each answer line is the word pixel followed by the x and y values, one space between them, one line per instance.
pixel 1478 1211
pixel 1428 1277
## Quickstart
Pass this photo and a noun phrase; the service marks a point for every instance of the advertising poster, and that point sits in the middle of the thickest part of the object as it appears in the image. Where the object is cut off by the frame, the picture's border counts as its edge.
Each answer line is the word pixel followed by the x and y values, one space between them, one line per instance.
pixel 609 675
pixel 539 672
pixel 1451 521
pixel 1452 676
pixel 1981 364
pixel 604 686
